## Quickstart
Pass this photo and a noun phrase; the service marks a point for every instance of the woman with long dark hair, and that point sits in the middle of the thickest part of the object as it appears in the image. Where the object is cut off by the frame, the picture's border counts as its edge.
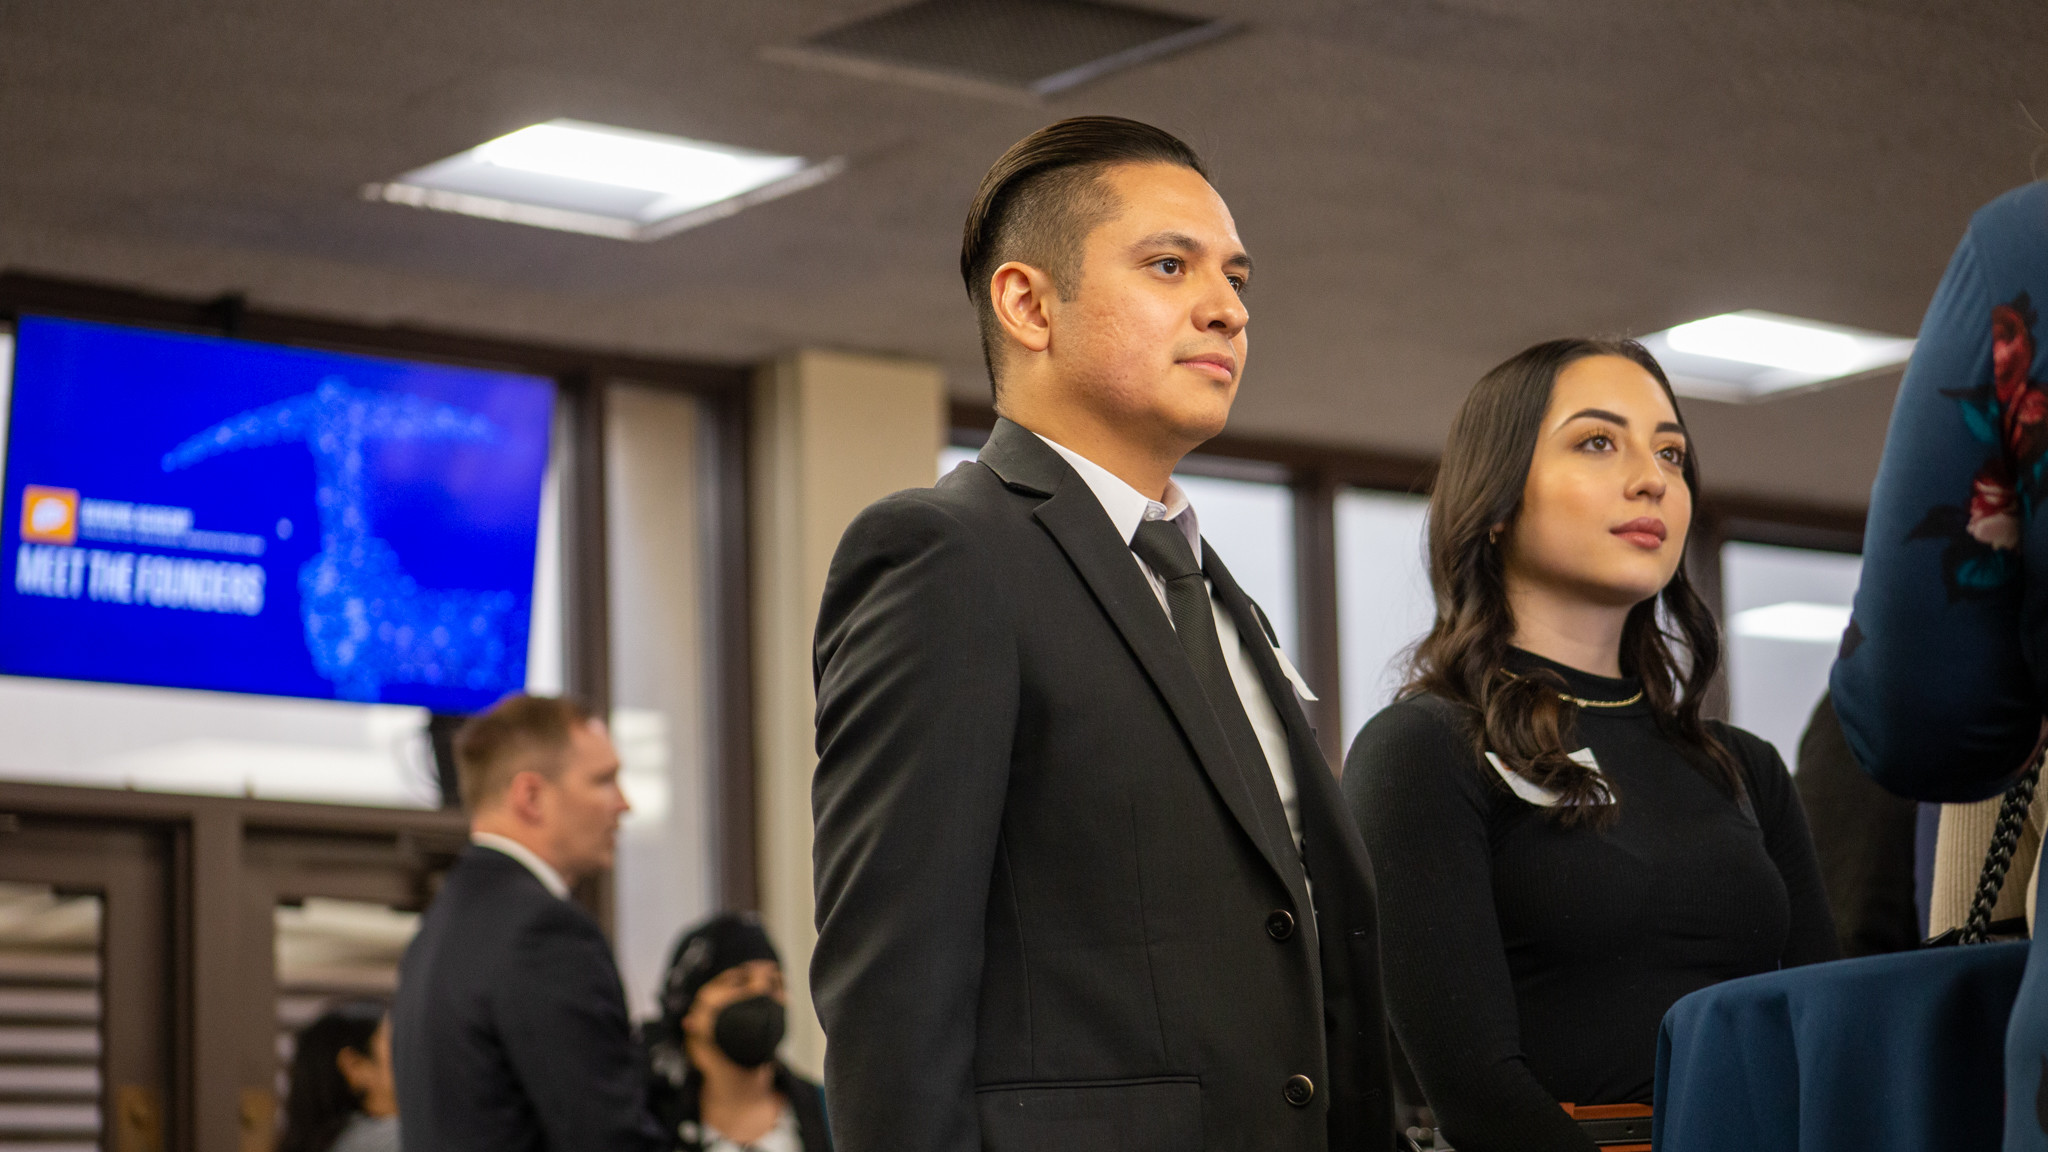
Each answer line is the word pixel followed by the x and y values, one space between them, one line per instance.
pixel 341 1097
pixel 1564 845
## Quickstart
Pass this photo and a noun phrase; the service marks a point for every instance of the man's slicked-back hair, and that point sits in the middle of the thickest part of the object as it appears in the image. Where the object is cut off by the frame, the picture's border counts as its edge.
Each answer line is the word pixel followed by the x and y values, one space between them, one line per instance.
pixel 1042 198
pixel 519 733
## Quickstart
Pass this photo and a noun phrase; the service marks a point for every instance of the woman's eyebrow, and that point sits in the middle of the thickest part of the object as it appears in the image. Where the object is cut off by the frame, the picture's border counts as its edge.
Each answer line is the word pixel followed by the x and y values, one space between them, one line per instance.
pixel 1595 414
pixel 1616 418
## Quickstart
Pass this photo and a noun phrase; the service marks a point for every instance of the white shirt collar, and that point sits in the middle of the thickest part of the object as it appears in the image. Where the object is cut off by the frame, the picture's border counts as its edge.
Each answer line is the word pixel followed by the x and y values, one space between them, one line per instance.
pixel 542 871
pixel 1128 507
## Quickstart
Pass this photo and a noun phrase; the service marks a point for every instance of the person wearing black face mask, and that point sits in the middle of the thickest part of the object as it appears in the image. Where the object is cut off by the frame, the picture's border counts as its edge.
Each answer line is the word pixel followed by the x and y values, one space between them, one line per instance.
pixel 716 1084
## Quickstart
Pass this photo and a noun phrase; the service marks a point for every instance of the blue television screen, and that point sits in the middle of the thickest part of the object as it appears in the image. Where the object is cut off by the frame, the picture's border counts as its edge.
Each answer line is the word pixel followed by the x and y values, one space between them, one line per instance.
pixel 200 512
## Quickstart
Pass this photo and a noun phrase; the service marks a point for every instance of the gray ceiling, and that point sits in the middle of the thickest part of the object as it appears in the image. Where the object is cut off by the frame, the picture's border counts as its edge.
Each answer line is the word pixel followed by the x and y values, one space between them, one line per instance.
pixel 1428 185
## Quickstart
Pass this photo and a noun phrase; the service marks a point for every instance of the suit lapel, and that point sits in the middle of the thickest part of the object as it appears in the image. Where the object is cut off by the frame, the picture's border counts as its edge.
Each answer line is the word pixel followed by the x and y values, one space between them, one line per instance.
pixel 1315 789
pixel 1336 853
pixel 1301 739
pixel 1077 523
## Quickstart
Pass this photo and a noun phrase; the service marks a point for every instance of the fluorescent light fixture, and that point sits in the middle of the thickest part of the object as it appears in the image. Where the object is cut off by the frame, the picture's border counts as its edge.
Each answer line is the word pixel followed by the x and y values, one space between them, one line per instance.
pixel 1750 355
pixel 603 181
pixel 1798 620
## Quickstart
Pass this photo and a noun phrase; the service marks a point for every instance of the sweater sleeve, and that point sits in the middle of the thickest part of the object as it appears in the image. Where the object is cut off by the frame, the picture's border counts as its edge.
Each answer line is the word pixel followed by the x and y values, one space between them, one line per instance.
pixel 1422 807
pixel 1789 841
pixel 1932 686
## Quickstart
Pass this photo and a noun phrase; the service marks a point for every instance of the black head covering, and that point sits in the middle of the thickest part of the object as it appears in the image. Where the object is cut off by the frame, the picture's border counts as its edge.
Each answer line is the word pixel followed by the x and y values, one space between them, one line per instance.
pixel 727 940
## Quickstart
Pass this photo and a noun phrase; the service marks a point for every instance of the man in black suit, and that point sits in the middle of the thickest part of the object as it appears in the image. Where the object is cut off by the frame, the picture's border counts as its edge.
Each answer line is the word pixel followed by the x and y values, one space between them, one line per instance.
pixel 1084 881
pixel 510 1030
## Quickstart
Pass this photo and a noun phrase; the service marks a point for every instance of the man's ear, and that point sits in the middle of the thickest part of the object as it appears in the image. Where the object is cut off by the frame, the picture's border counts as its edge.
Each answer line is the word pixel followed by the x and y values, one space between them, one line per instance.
pixel 1022 297
pixel 523 796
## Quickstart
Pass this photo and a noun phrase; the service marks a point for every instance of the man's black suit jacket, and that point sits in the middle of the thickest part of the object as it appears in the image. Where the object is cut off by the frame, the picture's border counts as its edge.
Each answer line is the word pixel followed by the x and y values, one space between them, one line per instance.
pixel 510 1033
pixel 1048 916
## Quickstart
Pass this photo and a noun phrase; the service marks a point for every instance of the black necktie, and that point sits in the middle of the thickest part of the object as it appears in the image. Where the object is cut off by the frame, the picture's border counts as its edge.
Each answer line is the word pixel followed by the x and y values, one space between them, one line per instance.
pixel 1164 548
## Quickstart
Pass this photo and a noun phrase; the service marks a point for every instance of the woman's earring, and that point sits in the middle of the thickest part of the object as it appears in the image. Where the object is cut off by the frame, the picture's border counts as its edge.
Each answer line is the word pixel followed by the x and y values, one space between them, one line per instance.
pixel 1493 536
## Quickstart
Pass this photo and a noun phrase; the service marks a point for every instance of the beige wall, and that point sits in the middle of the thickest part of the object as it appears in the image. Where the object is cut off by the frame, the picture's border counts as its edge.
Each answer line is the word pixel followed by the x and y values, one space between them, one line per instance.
pixel 833 433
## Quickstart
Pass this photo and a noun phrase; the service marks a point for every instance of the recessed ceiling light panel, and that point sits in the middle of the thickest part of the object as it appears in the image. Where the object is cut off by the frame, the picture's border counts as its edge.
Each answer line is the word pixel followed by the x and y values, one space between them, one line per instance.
pixel 1751 355
pixel 604 181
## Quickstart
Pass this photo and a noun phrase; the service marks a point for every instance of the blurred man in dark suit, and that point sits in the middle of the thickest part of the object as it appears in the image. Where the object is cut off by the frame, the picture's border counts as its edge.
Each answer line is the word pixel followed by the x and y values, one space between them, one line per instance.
pixel 1084 879
pixel 510 1030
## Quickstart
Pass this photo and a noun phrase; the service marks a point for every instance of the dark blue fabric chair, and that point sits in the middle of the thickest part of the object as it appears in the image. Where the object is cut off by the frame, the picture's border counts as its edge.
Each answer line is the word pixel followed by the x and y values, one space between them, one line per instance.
pixel 1896 1053
pixel 2026 1058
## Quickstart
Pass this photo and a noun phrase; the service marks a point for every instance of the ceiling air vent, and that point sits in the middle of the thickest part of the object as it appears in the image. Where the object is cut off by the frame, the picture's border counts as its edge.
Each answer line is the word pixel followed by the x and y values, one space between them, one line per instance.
pixel 1019 50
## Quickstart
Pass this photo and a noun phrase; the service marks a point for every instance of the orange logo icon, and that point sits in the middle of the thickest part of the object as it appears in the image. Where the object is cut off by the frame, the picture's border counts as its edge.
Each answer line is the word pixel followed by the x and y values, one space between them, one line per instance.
pixel 49 515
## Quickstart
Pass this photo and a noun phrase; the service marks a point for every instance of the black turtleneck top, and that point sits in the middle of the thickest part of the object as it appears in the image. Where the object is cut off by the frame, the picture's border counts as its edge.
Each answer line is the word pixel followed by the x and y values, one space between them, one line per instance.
pixel 1529 964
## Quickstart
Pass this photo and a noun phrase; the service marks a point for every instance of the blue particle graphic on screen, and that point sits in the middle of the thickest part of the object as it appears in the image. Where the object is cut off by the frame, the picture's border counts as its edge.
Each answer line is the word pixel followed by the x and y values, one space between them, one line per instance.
pixel 161 492
pixel 367 622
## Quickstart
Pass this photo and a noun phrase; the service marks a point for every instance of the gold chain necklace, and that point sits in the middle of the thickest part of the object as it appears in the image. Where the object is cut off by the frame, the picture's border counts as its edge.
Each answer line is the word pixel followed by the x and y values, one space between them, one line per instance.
pixel 1584 703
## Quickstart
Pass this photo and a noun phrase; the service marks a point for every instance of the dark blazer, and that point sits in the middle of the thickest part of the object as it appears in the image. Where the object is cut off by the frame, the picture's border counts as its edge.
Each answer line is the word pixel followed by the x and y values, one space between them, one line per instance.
pixel 1049 917
pixel 1864 837
pixel 510 1031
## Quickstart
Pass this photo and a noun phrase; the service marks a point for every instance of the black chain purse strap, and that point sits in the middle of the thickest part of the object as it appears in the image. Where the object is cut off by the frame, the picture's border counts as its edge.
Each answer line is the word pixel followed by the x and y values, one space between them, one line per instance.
pixel 2005 837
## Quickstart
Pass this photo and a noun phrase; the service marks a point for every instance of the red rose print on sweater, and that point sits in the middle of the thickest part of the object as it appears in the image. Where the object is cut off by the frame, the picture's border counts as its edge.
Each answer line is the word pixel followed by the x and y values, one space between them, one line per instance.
pixel 2010 415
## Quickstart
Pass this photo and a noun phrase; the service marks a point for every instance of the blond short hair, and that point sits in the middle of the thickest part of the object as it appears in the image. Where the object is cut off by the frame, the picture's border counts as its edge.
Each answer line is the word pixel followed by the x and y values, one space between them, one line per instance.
pixel 520 733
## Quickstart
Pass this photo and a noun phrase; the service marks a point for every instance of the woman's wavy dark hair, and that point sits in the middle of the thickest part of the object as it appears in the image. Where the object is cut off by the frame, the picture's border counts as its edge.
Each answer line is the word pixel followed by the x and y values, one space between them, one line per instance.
pixel 1522 719
pixel 321 1102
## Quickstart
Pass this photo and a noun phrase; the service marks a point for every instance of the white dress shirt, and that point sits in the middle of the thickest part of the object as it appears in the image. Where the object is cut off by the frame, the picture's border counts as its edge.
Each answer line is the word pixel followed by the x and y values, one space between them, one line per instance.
pixel 542 871
pixel 1128 508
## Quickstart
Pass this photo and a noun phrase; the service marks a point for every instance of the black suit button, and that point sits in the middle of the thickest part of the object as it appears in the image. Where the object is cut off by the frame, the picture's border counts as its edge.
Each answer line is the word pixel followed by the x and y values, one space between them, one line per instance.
pixel 1299 1091
pixel 1280 925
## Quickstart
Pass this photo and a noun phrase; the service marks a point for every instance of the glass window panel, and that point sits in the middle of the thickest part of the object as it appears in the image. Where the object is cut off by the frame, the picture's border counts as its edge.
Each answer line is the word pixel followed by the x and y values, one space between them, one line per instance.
pixel 328 952
pixel 545 666
pixel 171 740
pixel 1383 598
pixel 1784 610
pixel 951 457
pixel 326 947
pixel 180 740
pixel 657 494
